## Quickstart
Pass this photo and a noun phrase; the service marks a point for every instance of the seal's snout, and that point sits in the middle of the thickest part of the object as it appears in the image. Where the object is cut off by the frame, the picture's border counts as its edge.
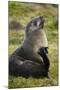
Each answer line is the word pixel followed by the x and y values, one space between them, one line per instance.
pixel 42 19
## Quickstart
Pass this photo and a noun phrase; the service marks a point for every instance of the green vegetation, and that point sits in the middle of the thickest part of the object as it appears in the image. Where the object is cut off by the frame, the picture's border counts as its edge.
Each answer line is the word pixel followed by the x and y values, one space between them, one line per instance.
pixel 23 12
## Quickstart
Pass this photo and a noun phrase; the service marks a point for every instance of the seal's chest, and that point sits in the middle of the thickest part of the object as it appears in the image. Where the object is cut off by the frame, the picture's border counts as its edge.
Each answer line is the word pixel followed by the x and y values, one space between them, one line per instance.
pixel 39 40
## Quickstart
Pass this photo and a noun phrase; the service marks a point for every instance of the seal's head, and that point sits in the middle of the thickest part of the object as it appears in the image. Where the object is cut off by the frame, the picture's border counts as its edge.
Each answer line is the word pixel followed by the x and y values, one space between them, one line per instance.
pixel 36 23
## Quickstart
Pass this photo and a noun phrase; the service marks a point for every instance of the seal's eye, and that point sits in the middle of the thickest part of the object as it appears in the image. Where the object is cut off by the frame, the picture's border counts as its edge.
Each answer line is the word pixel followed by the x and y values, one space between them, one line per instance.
pixel 35 23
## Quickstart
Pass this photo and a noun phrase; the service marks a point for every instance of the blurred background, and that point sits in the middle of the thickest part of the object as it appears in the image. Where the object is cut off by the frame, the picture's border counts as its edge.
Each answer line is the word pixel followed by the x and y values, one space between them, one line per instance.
pixel 19 14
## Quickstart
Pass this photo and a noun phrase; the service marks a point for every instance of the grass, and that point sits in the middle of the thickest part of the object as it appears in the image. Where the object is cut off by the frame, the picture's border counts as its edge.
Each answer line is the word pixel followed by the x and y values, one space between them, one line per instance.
pixel 18 82
pixel 16 39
